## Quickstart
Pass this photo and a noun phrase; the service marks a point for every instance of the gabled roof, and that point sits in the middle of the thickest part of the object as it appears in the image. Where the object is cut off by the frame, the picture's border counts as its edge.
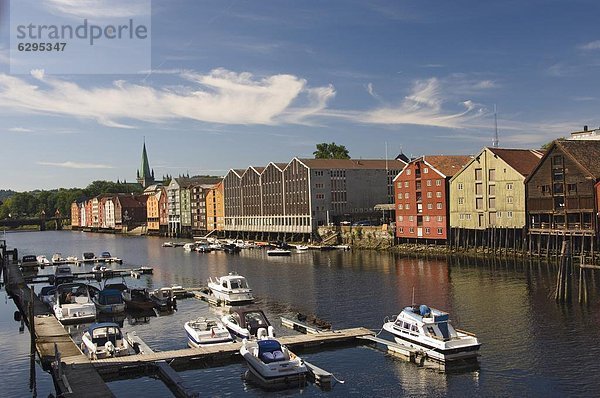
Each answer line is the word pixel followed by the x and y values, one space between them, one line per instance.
pixel 586 153
pixel 186 182
pixel 353 163
pixel 522 160
pixel 448 165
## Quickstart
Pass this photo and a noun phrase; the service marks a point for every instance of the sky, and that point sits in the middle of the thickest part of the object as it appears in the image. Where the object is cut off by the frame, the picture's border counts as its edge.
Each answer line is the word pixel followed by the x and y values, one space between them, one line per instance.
pixel 234 83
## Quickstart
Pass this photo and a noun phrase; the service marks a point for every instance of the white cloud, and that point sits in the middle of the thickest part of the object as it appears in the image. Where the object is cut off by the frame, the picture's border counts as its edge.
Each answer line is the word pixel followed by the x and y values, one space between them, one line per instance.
pixel 220 96
pixel 593 45
pixel 20 130
pixel 76 165
pixel 99 8
pixel 485 84
pixel 422 107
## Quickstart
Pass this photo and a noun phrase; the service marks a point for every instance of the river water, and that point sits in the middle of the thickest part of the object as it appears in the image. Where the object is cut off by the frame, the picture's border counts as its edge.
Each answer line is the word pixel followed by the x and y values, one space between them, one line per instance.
pixel 532 346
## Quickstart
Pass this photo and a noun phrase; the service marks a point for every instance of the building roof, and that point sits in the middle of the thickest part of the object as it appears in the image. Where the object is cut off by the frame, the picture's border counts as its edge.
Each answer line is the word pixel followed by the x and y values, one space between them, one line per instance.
pixel 186 182
pixel 130 201
pixel 448 165
pixel 353 163
pixel 585 152
pixel 522 160
pixel 144 171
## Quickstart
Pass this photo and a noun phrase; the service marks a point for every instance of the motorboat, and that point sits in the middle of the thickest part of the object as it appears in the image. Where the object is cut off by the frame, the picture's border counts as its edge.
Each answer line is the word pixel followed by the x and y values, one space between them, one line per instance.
pixel 57 258
pixel 138 299
pixel 278 252
pixel 28 262
pixel 301 248
pixel 88 257
pixel 164 299
pixel 272 363
pixel 231 248
pixel 244 322
pixel 43 260
pixel 72 303
pixel 203 248
pixel 189 247
pixel 108 258
pixel 168 244
pixel 63 274
pixel 231 289
pixel 104 340
pixel 430 330
pixel 203 332
pixel 109 301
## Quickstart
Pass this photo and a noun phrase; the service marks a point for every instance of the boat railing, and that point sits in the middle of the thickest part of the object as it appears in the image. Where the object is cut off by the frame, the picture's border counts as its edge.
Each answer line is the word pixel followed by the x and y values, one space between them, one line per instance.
pixel 467 333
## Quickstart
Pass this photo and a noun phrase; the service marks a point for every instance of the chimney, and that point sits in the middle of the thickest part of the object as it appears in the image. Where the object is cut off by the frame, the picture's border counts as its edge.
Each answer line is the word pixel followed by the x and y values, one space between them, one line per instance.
pixel 585 128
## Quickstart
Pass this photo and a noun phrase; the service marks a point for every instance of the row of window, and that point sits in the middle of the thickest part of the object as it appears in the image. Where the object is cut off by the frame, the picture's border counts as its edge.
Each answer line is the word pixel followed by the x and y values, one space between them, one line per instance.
pixel 429 195
pixel 479 202
pixel 411 230
pixel 425 218
pixel 438 183
pixel 406 206
pixel 492 188
pixel 467 216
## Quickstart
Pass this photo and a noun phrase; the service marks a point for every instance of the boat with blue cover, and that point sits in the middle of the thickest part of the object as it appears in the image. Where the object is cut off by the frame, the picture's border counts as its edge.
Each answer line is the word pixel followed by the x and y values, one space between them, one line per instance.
pixel 430 330
pixel 109 301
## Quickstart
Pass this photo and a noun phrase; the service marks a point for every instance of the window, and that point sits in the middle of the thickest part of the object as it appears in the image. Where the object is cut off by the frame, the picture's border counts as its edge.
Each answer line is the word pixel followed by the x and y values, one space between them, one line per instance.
pixel 557 160
pixel 405 184
pixel 509 186
pixel 461 201
pixel 429 206
pixel 492 218
pixel 427 230
pixel 400 207
pixel 399 184
pixel 478 174
pixel 411 230
pixel 438 183
pixel 429 194
pixel 572 188
pixel 400 195
pixel 319 173
pixel 418 187
pixel 425 170
pixel 479 203
pixel 318 185
pixel 492 190
pixel 410 218
pixel 509 214
pixel 461 216
pixel 426 218
pixel 407 172
pixel 407 206
pixel 438 194
pixel 492 174
pixel 401 230
pixel 492 203
pixel 545 189
pixel 440 231
pixel 400 218
pixel 478 188
pixel 439 206
pixel 509 199
pixel 406 195
pixel 460 186
pixel 320 196
pixel 499 214
pixel 428 183
pixel 439 218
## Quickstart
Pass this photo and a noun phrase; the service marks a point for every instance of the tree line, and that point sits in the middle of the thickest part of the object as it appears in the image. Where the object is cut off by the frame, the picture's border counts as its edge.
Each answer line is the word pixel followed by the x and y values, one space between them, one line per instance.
pixel 32 203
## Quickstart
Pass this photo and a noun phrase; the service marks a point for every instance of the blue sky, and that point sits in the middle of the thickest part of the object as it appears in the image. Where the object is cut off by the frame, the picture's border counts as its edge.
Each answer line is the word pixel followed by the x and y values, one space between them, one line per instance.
pixel 239 83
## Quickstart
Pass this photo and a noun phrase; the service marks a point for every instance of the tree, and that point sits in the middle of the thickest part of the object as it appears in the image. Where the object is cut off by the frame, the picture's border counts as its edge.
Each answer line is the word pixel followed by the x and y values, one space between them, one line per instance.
pixel 331 151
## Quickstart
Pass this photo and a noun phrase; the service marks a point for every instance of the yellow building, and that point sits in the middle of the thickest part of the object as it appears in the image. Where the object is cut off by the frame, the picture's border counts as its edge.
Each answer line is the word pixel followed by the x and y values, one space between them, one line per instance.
pixel 489 192
pixel 215 208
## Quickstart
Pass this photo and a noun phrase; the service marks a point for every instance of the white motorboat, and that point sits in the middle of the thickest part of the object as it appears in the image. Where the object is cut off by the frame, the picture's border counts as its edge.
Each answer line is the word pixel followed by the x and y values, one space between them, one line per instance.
pixel 231 289
pixel 168 244
pixel 278 252
pixel 104 340
pixel 189 247
pixel 430 330
pixel 106 257
pixel 72 303
pixel 272 363
pixel 203 332
pixel 42 260
pixel 57 258
pixel 301 248
pixel 245 322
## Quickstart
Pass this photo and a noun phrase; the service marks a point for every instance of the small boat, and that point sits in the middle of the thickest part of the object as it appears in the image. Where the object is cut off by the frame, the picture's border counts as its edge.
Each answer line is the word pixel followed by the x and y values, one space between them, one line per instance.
pixel 178 244
pixel 88 257
pixel 244 322
pixel 109 301
pixel 301 248
pixel 57 258
pixel 168 244
pixel 203 332
pixel 203 248
pixel 430 330
pixel 104 340
pixel 164 299
pixel 29 261
pixel 108 258
pixel 278 252
pixel 72 303
pixel 72 259
pixel 188 247
pixel 273 364
pixel 63 274
pixel 231 248
pixel 138 300
pixel 42 260
pixel 231 289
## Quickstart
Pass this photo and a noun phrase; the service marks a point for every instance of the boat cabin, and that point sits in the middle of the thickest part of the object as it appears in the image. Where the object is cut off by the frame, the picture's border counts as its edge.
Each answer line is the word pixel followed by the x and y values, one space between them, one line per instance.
pixel 105 255
pixel 110 297
pixel 101 333
pixel 88 256
pixel 251 319
pixel 270 351
pixel 29 259
pixel 72 293
pixel 234 282
pixel 63 274
pixel 424 320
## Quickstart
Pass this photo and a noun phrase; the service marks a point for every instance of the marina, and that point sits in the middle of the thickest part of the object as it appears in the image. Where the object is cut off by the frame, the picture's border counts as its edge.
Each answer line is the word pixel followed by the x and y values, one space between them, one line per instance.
pixel 165 335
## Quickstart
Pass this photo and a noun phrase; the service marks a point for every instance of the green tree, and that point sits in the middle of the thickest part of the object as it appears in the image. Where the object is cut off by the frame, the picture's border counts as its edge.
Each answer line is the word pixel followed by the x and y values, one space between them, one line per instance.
pixel 331 151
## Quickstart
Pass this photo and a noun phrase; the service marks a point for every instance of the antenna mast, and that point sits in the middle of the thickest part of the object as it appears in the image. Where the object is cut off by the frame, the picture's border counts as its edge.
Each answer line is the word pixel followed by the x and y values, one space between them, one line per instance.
pixel 495 141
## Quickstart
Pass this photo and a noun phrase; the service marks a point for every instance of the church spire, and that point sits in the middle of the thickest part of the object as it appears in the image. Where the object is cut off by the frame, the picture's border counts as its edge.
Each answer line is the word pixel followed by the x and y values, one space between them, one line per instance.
pixel 145 175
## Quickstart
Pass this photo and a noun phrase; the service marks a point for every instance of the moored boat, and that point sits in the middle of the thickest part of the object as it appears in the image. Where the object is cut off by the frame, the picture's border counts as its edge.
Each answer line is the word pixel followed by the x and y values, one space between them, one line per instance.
pixel 188 247
pixel 164 299
pixel 430 330
pixel 273 364
pixel 106 257
pixel 72 303
pixel 278 252
pixel 28 262
pixel 231 289
pixel 301 248
pixel 109 301
pixel 138 300
pixel 104 340
pixel 203 332
pixel 57 258
pixel 42 260
pixel 244 322
pixel 63 274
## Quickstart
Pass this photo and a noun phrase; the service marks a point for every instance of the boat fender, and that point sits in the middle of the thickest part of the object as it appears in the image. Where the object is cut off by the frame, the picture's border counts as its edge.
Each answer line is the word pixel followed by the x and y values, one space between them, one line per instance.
pixel 271 331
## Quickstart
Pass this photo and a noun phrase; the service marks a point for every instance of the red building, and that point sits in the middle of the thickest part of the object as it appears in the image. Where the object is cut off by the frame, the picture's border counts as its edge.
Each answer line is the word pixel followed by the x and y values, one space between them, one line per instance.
pixel 422 196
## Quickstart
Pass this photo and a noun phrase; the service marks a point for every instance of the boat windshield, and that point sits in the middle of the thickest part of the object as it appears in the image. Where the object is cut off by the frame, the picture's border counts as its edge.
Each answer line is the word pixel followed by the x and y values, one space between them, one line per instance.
pixel 238 284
